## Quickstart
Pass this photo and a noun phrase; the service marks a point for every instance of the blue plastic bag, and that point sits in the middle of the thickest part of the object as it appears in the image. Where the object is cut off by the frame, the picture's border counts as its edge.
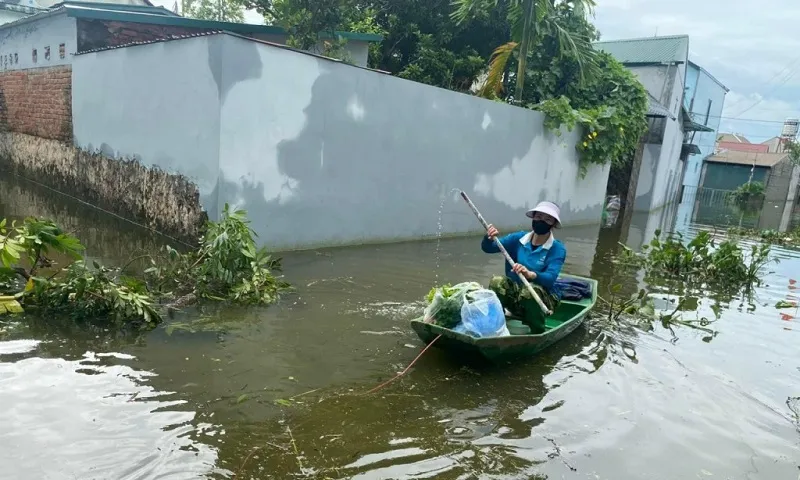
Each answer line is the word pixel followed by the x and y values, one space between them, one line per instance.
pixel 482 315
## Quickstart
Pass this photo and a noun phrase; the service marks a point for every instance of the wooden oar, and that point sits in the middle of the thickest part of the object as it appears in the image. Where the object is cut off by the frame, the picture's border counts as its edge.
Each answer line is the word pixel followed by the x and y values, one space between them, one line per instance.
pixel 505 254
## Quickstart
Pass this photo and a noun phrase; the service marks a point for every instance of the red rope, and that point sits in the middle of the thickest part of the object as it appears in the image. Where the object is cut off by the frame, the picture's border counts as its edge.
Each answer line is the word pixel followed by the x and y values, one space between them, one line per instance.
pixel 406 369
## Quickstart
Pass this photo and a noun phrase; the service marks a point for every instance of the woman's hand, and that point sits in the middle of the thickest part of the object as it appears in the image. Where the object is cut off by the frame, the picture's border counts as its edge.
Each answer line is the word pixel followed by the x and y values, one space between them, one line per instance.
pixel 492 232
pixel 520 269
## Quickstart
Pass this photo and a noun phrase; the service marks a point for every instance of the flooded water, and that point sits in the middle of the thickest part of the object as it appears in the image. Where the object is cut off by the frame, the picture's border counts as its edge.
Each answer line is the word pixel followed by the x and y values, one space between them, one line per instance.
pixel 276 393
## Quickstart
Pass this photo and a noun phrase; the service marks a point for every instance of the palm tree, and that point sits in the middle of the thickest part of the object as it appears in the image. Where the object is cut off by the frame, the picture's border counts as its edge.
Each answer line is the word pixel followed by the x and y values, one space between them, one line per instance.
pixel 529 20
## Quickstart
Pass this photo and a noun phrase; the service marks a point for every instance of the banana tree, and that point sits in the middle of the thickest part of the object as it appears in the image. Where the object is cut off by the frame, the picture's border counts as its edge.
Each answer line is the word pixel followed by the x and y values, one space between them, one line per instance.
pixel 530 20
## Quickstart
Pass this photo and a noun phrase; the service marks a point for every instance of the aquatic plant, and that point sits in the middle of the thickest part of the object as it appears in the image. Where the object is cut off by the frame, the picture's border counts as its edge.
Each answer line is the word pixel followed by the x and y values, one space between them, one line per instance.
pixel 787 239
pixel 680 272
pixel 702 262
pixel 226 266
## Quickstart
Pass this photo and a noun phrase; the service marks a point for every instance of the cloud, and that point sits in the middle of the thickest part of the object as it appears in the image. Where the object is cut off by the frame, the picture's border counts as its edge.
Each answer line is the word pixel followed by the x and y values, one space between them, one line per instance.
pixel 750 48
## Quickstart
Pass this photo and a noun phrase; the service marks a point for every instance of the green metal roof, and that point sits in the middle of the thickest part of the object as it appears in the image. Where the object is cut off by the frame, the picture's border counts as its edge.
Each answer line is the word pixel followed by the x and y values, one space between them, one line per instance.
pixel 123 13
pixel 648 50
pixel 118 7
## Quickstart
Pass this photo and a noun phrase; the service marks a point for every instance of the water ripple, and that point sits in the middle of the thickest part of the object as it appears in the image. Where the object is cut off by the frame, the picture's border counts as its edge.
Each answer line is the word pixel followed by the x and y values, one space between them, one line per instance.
pixel 89 419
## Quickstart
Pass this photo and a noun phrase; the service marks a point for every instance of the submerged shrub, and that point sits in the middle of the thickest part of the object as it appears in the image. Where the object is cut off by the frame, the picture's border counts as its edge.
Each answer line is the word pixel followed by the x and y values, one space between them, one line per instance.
pixel 226 266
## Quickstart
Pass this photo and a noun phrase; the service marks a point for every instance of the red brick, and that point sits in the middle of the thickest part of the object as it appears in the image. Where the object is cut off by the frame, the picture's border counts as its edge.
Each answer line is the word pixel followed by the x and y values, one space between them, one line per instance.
pixel 37 102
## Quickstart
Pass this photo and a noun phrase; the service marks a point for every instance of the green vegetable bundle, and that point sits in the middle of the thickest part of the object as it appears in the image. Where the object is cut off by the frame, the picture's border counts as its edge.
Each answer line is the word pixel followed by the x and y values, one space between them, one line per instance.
pixel 444 303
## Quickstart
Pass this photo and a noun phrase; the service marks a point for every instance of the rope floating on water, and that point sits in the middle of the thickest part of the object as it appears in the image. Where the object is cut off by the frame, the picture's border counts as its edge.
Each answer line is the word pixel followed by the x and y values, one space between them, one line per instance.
pixel 406 369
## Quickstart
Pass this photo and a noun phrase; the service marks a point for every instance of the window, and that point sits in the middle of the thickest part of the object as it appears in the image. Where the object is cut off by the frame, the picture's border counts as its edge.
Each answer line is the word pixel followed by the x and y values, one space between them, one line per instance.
pixel 47 52
pixel 16 59
pixel 62 51
pixel 33 57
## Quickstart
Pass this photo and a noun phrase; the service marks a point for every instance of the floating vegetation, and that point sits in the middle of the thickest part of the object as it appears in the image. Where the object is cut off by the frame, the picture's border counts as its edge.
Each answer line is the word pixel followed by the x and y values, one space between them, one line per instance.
pixel 677 273
pixel 786 239
pixel 226 266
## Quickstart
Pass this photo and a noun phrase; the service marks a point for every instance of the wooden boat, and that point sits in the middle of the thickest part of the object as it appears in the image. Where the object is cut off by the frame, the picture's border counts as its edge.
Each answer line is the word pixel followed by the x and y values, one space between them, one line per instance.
pixel 568 316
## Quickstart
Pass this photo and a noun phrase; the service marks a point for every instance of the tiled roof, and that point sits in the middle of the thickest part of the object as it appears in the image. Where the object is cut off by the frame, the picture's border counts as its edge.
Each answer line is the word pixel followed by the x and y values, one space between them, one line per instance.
pixel 748 158
pixel 648 50
pixel 732 137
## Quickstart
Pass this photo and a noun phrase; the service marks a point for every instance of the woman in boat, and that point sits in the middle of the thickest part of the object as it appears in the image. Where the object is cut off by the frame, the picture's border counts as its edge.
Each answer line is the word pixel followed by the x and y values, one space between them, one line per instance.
pixel 539 257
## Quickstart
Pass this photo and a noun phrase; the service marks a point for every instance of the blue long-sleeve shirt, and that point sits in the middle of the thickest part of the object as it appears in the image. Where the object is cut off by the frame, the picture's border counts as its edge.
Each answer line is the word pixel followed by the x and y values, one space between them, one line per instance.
pixel 546 259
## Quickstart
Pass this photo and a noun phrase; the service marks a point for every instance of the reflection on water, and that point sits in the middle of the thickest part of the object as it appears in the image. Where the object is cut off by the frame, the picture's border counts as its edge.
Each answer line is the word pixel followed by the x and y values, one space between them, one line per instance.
pixel 276 393
pixel 92 418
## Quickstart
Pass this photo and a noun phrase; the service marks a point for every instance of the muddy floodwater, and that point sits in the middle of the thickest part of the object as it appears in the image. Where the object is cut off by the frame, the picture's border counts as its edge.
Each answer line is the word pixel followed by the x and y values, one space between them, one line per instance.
pixel 276 393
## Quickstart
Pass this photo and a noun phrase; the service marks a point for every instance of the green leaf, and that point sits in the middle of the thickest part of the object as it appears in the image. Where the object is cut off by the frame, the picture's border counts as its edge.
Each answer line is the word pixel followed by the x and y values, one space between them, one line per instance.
pixel 242 398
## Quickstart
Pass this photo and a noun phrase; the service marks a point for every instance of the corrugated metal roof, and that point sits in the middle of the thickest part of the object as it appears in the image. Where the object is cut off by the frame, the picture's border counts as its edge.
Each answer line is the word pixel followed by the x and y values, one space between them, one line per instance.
pixel 148 42
pixel 118 14
pixel 655 109
pixel 648 50
pixel 748 158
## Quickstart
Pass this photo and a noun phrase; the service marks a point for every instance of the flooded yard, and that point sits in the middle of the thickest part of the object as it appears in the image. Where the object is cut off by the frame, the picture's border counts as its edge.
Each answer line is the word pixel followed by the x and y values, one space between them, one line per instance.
pixel 277 393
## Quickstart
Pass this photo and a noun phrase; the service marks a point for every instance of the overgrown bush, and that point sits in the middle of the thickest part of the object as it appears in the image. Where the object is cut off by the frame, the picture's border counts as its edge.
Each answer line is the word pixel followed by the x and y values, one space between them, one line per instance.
pixel 226 266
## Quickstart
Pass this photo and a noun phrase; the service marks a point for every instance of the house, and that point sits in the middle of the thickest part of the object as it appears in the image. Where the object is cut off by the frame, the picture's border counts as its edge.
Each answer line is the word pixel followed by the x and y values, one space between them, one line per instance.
pixel 662 65
pixel 728 170
pixel 740 143
pixel 703 99
pixel 51 37
pixel 11 10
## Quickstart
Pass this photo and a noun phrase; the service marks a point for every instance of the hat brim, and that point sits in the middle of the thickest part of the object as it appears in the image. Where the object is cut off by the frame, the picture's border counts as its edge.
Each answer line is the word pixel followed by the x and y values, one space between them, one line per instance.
pixel 530 214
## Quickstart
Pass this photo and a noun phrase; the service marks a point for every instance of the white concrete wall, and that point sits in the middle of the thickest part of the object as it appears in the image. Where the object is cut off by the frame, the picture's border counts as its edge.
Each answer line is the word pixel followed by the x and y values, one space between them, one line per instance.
pixel 19 41
pixel 322 153
pixel 661 170
pixel 158 103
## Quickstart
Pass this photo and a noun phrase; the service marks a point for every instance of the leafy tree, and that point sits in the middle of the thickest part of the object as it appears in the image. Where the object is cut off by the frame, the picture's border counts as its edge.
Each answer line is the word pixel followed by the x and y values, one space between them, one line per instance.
pixel 305 20
pixel 422 42
pixel 532 21
pixel 218 10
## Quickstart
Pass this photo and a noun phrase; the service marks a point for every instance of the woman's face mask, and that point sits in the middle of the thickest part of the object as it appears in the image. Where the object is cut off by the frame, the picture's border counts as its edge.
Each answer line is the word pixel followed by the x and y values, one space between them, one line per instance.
pixel 540 227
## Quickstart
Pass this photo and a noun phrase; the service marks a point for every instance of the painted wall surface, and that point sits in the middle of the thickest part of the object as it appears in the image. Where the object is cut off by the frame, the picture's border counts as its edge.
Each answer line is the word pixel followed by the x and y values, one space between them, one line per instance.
pixel 724 176
pixel 19 41
pixel 167 98
pixel 322 153
pixel 659 175
pixel 705 90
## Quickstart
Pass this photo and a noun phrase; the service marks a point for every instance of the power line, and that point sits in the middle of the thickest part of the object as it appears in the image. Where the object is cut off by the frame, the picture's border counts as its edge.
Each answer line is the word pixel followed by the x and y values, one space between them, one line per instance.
pixel 785 80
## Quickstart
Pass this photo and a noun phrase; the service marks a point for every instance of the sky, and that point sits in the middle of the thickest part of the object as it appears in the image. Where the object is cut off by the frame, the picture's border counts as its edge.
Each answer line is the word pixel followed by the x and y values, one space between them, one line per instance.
pixel 750 47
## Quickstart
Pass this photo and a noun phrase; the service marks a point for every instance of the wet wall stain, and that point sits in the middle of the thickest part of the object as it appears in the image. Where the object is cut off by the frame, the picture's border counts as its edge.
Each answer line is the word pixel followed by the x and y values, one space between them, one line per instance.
pixel 162 201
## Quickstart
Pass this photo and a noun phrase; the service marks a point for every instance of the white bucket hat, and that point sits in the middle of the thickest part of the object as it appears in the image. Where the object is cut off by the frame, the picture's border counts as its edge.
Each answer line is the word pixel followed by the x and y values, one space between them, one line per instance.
pixel 549 208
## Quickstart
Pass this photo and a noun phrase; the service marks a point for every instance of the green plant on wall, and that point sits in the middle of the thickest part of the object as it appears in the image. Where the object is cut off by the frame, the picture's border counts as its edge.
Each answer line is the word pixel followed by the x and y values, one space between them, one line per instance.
pixel 609 108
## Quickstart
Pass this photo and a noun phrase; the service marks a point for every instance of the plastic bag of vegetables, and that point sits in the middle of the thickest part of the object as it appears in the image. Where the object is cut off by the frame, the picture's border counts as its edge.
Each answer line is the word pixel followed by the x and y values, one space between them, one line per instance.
pixel 444 303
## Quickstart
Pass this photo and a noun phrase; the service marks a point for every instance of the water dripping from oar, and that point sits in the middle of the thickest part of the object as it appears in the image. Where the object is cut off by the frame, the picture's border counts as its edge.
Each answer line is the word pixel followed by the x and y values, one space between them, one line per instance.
pixel 439 230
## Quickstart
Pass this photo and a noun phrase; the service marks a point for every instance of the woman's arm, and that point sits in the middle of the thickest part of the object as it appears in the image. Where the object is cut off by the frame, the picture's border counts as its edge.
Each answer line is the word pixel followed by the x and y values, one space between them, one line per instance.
pixel 555 260
pixel 489 246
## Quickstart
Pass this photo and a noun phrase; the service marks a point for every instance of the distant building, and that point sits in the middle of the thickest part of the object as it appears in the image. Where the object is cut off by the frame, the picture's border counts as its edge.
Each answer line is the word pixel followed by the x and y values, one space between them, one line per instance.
pixel 11 10
pixel 703 99
pixel 730 169
pixel 51 37
pixel 662 65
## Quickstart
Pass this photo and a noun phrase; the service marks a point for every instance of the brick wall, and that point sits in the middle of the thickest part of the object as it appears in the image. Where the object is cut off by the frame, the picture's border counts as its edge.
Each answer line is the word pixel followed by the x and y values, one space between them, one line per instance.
pixel 37 102
pixel 93 34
